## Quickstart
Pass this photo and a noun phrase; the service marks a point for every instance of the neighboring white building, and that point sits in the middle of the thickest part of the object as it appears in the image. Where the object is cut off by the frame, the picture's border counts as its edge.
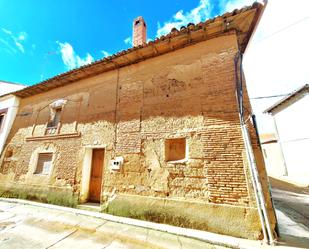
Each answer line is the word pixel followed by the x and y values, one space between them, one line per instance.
pixel 291 118
pixel 8 109
pixel 8 87
pixel 275 165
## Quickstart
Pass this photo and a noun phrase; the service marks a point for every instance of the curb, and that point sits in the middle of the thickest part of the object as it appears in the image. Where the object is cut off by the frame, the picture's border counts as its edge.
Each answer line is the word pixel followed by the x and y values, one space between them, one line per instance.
pixel 208 237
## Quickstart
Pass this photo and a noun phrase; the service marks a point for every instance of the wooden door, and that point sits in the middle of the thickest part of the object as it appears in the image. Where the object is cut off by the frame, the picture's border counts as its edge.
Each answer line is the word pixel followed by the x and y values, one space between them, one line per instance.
pixel 96 175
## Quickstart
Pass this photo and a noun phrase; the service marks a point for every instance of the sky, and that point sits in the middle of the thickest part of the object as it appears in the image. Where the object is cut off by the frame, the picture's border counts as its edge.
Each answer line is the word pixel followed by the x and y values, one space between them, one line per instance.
pixel 276 60
pixel 40 39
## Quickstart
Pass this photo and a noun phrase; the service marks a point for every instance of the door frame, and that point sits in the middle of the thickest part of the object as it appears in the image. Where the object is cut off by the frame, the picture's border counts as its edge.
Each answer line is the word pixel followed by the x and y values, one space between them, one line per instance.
pixel 86 171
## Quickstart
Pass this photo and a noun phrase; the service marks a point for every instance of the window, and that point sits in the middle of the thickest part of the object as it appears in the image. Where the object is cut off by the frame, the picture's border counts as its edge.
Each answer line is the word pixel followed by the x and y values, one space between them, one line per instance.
pixel 44 163
pixel 175 149
pixel 53 123
pixel 2 118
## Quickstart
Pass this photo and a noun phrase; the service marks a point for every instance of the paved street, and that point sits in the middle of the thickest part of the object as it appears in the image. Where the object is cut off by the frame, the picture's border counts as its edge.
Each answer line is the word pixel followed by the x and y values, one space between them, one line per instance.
pixel 26 226
pixel 36 227
pixel 292 209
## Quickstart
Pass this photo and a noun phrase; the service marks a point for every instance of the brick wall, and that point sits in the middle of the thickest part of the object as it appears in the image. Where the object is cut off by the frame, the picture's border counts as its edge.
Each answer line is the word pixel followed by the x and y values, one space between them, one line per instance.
pixel 130 112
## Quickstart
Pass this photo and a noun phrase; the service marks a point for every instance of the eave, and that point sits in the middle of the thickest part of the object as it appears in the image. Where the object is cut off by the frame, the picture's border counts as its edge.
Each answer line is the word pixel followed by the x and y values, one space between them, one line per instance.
pixel 289 100
pixel 242 22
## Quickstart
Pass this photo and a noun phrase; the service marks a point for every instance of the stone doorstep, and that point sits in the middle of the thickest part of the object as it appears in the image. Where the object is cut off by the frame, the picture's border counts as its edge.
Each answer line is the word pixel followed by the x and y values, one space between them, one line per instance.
pixel 208 237
pixel 90 206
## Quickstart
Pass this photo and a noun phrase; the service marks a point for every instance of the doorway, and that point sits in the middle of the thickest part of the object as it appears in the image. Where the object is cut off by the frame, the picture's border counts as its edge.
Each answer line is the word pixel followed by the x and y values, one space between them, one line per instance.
pixel 96 175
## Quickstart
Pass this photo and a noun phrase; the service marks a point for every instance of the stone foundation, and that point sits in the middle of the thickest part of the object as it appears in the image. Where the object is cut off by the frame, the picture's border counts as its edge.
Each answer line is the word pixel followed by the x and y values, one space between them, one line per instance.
pixel 239 221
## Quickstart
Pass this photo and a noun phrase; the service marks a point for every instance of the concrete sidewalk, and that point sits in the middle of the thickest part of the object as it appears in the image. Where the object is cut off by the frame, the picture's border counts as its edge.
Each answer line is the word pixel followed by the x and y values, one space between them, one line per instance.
pixel 26 224
pixel 292 209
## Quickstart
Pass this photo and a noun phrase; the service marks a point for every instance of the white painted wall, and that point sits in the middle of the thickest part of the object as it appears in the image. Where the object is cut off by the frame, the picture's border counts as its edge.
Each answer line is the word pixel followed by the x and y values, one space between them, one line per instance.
pixel 7 87
pixel 293 130
pixel 273 159
pixel 10 102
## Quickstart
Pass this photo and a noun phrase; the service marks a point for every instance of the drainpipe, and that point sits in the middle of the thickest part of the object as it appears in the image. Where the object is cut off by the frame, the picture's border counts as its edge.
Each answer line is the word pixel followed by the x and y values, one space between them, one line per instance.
pixel 257 186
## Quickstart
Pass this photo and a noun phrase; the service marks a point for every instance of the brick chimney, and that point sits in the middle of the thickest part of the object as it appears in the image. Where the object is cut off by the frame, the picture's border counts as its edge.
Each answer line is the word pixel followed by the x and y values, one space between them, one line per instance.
pixel 139 31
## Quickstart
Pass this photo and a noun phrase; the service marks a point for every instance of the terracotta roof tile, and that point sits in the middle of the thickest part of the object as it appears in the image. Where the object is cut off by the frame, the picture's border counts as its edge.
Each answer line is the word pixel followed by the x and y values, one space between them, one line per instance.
pixel 173 34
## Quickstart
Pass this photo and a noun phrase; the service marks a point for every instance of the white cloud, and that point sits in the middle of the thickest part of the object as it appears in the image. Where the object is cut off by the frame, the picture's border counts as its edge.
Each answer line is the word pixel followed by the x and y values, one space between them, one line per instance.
pixel 87 60
pixel 69 57
pixel 235 4
pixel 128 40
pixel 22 36
pixel 7 46
pixel 16 39
pixel 200 14
pixel 20 46
pixel 7 31
pixel 105 53
pixel 196 15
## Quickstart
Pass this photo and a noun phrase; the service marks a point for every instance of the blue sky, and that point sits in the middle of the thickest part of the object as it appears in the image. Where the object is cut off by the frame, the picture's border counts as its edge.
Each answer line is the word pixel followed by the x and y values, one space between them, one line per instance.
pixel 40 39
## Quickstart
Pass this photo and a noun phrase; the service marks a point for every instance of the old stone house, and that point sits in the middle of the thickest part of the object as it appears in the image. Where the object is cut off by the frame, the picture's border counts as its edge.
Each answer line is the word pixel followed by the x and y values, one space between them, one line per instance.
pixel 153 132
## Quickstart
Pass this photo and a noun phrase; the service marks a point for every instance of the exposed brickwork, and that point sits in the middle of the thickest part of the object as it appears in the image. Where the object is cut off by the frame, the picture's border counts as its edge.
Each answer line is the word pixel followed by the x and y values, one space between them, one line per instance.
pixel 130 112
pixel 188 93
pixel 139 31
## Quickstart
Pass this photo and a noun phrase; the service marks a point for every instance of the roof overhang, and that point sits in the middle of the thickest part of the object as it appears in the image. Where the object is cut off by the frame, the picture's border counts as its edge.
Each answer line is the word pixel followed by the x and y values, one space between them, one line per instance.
pixel 242 22
pixel 289 100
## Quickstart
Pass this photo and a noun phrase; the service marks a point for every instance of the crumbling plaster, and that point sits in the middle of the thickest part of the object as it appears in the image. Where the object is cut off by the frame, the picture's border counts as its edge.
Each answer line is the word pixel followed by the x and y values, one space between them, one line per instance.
pixel 130 111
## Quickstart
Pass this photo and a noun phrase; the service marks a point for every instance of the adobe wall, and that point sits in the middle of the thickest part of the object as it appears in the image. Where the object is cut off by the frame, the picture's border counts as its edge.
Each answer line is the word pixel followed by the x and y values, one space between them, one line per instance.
pixel 131 112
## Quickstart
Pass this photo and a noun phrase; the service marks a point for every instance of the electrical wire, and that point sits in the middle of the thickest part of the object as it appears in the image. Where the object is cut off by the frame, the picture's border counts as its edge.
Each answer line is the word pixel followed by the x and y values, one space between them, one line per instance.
pixel 272 96
pixel 284 28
